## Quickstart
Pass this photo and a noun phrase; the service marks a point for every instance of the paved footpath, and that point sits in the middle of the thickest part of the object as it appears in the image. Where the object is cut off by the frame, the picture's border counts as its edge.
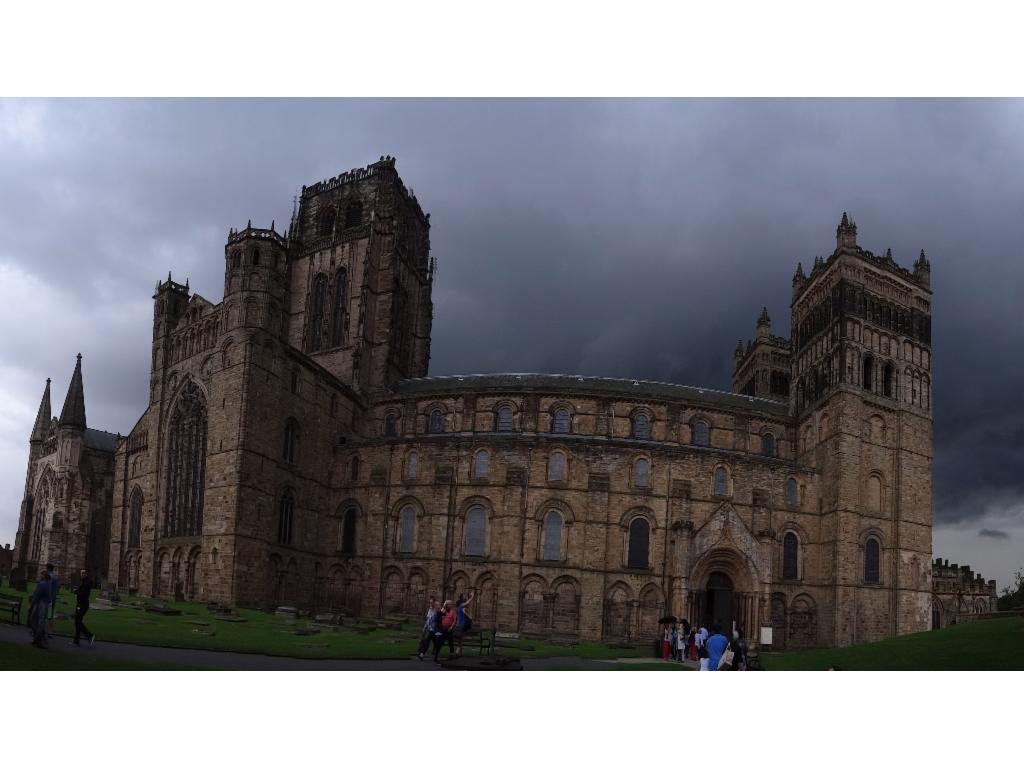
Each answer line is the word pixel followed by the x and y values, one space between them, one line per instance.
pixel 158 656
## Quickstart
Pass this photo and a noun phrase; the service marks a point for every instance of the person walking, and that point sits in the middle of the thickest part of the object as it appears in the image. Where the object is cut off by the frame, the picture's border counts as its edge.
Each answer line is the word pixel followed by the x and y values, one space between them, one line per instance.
pixel 82 607
pixel 429 628
pixel 716 645
pixel 702 658
pixel 670 642
pixel 682 633
pixel 52 609
pixel 38 607
pixel 463 621
pixel 446 621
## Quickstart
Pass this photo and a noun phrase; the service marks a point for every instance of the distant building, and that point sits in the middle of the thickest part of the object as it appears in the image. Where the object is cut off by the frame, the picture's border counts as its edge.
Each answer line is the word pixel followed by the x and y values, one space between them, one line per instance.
pixel 294 451
pixel 958 593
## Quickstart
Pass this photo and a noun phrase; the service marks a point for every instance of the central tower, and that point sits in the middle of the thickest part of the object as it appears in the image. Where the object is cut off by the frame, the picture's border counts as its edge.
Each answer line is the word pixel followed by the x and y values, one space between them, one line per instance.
pixel 861 372
pixel 360 278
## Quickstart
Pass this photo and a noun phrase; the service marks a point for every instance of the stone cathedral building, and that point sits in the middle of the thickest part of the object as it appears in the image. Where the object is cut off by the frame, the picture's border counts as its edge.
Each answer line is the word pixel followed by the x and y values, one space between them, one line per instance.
pixel 295 451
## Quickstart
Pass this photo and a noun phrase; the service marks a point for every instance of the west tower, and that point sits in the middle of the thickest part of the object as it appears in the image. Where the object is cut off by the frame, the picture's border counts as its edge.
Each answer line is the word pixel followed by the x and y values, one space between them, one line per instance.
pixel 861 372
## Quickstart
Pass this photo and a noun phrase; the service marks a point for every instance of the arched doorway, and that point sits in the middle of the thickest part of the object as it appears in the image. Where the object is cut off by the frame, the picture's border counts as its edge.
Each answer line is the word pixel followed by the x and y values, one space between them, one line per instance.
pixel 718 602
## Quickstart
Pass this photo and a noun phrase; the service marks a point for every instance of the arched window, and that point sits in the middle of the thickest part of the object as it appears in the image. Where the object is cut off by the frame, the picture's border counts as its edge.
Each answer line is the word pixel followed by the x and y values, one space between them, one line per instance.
pixel 641 473
pixel 284 518
pixel 641 427
pixel 561 421
pixel 327 217
pixel 476 532
pixel 866 381
pixel 790 556
pixel 354 214
pixel 347 537
pixel 872 558
pixel 391 425
pixel 316 321
pixel 353 469
pixel 552 548
pixel 887 380
pixel 412 465
pixel 186 468
pixel 135 519
pixel 481 464
pixel 721 481
pixel 338 313
pixel 291 441
pixel 874 500
pixel 407 529
pixel 639 543
pixel 792 497
pixel 255 257
pixel 295 380
pixel 504 420
pixel 556 467
pixel 435 422
pixel 236 259
pixel 700 434
pixel 768 444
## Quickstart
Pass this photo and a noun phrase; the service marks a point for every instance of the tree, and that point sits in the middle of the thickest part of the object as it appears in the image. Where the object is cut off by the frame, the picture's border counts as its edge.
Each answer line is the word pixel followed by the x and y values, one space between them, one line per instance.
pixel 1012 598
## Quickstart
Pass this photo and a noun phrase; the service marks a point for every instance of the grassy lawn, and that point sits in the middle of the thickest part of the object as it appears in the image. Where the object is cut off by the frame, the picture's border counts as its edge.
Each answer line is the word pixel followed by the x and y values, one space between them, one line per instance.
pixel 993 644
pixel 24 656
pixel 273 635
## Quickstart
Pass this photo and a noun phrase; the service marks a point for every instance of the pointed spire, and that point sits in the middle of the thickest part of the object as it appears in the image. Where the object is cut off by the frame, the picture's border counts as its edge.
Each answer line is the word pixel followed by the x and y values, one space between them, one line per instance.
pixel 42 423
pixel 73 413
pixel 249 225
pixel 888 254
pixel 764 319
pixel 799 274
pixel 845 222
pixel 272 222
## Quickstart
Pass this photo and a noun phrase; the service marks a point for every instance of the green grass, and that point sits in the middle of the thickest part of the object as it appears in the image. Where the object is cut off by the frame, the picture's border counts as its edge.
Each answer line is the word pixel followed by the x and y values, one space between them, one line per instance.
pixel 991 644
pixel 276 636
pixel 14 656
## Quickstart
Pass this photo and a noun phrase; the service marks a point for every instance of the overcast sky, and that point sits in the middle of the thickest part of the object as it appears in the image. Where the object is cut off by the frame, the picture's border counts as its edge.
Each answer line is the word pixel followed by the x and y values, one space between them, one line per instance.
pixel 620 237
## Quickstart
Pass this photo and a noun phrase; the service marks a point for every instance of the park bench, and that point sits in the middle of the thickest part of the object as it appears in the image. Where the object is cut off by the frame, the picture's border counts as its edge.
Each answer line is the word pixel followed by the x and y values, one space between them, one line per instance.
pixel 508 640
pixel 11 603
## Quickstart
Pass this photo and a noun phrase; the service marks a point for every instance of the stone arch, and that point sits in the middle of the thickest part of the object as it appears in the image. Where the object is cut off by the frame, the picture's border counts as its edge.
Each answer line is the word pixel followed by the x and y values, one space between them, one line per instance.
pixel 802 622
pixel 349 517
pixel 533 605
pixel 458 584
pixel 193 575
pixel 485 604
pixel 406 529
pixel 416 599
pixel 336 587
pixel 393 583
pixel 354 589
pixel 779 622
pixel 475 535
pixel 652 608
pixel 618 613
pixel 565 606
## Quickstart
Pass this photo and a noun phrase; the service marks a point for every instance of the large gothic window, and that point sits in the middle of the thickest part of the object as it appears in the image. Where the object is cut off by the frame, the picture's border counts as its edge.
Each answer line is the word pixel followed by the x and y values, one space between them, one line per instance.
pixel 338 313
pixel 639 543
pixel 552 549
pixel 354 214
pixel 481 464
pixel 476 532
pixel 792 496
pixel 871 561
pixel 790 556
pixel 504 419
pixel 316 321
pixel 327 217
pixel 135 519
pixel 347 539
pixel 186 464
pixel 435 422
pixel 285 518
pixel 291 441
pixel 768 444
pixel 391 425
pixel 407 529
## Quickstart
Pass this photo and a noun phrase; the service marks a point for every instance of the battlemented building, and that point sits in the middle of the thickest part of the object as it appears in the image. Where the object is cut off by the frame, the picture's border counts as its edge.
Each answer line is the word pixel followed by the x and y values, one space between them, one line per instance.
pixel 958 594
pixel 295 451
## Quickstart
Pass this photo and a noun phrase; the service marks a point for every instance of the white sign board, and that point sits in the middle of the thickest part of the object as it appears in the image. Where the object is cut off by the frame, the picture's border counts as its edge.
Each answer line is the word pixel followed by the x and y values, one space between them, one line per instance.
pixel 766 635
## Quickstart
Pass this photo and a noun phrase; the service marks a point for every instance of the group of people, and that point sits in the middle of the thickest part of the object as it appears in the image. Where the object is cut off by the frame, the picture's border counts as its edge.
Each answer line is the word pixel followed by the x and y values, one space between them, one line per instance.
pixel 713 651
pixel 42 604
pixel 447 625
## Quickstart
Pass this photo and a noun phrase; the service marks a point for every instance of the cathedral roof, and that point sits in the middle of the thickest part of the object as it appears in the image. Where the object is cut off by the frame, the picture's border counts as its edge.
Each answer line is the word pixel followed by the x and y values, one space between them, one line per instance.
pixel 100 440
pixel 73 413
pixel 591 385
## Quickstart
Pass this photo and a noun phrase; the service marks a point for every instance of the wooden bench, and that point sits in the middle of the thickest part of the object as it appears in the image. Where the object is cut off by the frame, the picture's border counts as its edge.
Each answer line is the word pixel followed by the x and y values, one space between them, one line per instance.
pixel 508 640
pixel 11 603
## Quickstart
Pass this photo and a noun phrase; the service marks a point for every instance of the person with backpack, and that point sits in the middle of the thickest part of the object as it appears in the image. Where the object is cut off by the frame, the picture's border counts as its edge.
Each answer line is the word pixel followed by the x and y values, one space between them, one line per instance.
pixel 429 628
pixel 464 621
pixel 446 622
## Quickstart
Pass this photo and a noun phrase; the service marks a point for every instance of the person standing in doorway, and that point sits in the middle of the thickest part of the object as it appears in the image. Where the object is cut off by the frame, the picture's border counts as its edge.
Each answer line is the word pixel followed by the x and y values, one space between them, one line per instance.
pixel 54 586
pixel 38 607
pixel 82 607
pixel 716 645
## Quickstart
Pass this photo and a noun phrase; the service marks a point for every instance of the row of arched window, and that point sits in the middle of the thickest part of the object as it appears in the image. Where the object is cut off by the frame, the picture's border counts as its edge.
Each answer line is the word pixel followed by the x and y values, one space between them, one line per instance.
pixel 791 558
pixel 329 214
pixel 561 423
pixel 254 260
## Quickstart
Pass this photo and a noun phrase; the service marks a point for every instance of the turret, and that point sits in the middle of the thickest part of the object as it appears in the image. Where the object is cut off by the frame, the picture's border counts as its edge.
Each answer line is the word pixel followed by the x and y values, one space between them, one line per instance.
pixel 255 278
pixel 846 234
pixel 799 278
pixel 923 270
pixel 764 324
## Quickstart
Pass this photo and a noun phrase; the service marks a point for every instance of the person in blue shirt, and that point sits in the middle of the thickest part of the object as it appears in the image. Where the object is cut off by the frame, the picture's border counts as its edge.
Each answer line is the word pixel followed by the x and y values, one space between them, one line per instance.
pixel 717 644
pixel 465 621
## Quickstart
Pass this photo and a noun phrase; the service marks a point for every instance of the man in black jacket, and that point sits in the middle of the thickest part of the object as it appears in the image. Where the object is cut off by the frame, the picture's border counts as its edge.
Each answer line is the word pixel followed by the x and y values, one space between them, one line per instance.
pixel 81 608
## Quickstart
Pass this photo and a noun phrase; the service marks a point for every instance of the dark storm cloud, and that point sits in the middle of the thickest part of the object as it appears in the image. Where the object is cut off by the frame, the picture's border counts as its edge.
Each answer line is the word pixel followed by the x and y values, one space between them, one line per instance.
pixel 626 238
pixel 987 533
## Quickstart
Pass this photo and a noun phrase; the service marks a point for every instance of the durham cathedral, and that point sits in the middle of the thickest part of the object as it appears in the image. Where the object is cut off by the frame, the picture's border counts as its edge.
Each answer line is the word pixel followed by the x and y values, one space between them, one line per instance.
pixel 295 451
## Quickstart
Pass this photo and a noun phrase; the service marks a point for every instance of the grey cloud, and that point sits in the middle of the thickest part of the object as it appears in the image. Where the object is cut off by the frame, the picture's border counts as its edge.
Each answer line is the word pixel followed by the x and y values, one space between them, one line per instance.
pixel 989 533
pixel 621 237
